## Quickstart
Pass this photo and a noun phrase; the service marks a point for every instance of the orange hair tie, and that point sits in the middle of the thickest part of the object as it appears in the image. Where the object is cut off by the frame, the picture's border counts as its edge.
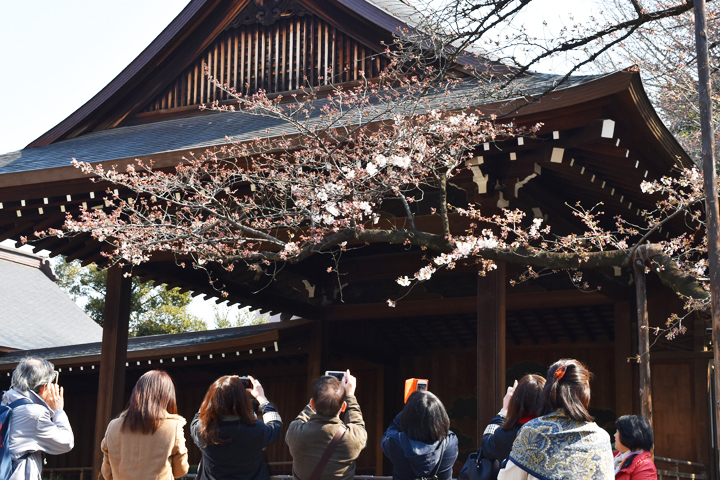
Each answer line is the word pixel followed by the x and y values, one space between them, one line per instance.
pixel 559 373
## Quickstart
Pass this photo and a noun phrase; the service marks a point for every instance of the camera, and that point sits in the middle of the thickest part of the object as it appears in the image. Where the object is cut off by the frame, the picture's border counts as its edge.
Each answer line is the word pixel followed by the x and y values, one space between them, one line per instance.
pixel 246 382
pixel 335 373
pixel 413 384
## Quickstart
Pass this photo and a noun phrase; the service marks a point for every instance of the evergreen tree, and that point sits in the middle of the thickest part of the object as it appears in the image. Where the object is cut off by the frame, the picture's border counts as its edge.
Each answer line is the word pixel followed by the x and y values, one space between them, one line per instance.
pixel 154 310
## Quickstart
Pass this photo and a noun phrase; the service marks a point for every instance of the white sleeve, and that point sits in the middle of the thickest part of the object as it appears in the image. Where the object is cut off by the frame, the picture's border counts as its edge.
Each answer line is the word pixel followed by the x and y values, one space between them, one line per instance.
pixel 513 472
pixel 53 434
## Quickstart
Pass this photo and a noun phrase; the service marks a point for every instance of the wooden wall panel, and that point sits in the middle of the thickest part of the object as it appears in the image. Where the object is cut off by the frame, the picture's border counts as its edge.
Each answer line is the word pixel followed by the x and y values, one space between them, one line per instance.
pixel 598 357
pixel 294 52
pixel 675 412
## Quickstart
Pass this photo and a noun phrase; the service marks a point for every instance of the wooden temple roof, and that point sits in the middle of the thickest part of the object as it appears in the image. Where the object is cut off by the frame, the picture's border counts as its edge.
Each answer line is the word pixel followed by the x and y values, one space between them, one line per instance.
pixel 600 139
pixel 197 133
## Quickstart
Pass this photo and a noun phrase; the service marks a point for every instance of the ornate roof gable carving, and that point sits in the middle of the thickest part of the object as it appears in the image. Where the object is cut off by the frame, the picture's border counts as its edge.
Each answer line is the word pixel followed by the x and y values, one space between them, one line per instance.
pixel 267 12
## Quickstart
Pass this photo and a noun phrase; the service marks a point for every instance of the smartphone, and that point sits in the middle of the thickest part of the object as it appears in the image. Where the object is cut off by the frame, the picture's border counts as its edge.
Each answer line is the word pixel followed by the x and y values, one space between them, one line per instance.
pixel 335 373
pixel 57 377
pixel 246 382
pixel 412 384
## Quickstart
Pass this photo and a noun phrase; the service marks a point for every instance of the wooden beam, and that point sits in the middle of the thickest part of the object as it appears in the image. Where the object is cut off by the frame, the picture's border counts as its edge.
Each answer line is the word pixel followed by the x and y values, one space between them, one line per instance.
pixel 623 357
pixel 16 230
pixel 459 305
pixel 111 388
pixel 491 303
pixel 69 245
pixel 91 246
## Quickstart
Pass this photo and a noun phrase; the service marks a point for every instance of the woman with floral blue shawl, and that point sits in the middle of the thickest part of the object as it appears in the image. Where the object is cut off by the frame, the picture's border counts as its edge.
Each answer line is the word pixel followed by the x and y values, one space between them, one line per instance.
pixel 564 443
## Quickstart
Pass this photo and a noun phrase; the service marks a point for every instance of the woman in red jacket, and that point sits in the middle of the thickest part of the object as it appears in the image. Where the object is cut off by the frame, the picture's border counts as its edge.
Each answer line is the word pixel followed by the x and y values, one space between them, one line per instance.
pixel 633 442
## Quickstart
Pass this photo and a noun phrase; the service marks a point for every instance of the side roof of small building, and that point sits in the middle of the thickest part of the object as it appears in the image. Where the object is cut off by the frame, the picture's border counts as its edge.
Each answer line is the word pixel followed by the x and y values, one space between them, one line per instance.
pixel 34 312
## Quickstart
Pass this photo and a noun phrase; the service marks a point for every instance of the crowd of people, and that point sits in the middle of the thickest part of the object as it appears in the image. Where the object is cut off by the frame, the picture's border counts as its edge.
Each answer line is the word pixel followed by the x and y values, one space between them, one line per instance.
pixel 543 431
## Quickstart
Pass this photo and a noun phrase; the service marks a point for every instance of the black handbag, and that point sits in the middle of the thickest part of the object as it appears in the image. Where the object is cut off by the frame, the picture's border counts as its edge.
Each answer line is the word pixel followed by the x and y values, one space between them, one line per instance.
pixel 477 467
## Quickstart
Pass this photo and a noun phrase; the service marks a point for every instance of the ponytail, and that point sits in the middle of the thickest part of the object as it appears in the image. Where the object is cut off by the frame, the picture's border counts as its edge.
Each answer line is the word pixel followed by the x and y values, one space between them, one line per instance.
pixel 568 388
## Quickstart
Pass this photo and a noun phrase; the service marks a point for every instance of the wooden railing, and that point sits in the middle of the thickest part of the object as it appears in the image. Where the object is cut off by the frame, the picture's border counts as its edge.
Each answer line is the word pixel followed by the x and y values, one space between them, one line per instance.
pixel 289 477
pixel 72 473
pixel 85 473
pixel 674 469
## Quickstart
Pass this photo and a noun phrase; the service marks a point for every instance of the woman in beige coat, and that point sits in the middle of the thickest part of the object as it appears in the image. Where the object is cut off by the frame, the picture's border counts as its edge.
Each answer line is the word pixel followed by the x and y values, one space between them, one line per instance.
pixel 146 441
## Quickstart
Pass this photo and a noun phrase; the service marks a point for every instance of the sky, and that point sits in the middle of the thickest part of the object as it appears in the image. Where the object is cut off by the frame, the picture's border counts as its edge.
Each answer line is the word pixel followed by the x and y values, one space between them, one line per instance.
pixel 56 55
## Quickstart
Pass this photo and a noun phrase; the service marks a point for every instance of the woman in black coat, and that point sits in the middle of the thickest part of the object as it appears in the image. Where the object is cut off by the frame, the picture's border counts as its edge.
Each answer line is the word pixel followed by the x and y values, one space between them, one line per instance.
pixel 229 436
pixel 521 404
pixel 419 442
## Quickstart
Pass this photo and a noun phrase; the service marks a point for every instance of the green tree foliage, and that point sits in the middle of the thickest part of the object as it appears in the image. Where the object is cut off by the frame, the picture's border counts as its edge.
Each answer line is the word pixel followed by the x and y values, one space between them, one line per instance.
pixel 243 318
pixel 154 310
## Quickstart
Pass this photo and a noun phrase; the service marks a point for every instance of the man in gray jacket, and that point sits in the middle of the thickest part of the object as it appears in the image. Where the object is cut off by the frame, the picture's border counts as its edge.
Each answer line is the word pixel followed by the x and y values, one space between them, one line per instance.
pixel 40 426
pixel 314 428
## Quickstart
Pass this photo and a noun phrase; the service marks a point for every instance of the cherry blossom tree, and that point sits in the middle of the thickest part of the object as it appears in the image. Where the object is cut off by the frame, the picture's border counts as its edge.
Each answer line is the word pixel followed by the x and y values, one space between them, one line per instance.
pixel 665 54
pixel 323 185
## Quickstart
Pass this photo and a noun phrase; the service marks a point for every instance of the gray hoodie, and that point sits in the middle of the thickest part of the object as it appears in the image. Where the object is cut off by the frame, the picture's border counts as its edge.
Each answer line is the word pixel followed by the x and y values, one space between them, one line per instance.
pixel 35 428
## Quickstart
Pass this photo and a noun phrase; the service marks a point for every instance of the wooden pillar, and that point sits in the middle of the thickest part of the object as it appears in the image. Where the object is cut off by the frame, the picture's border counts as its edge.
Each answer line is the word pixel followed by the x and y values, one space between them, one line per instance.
pixel 111 389
pixel 315 356
pixel 623 357
pixel 379 419
pixel 490 345
pixel 643 339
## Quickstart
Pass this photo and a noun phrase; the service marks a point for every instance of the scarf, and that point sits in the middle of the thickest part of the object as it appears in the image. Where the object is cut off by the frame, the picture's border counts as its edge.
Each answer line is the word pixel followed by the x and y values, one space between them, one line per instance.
pixel 556 447
pixel 620 458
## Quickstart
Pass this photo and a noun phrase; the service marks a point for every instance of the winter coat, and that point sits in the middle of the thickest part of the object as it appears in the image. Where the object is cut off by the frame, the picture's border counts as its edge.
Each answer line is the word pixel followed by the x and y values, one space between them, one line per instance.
pixel 497 443
pixel 637 467
pixel 242 457
pixel 35 428
pixel 310 433
pixel 138 456
pixel 413 459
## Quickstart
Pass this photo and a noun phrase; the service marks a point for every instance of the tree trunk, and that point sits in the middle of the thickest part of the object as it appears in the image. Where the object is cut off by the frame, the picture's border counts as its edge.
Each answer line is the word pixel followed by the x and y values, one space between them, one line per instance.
pixel 709 173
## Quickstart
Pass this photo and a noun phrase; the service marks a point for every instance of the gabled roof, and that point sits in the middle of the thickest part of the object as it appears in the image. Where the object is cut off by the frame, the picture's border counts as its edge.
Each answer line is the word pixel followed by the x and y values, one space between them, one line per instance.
pixel 34 312
pixel 371 22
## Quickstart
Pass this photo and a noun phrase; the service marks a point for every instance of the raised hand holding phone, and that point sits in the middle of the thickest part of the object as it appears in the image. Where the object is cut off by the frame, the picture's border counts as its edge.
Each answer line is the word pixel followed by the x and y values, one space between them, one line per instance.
pixel 508 397
pixel 257 390
pixel 349 382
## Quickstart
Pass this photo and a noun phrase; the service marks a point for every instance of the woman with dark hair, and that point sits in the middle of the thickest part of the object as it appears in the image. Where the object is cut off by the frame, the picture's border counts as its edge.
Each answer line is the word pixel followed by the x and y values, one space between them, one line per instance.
pixel 146 441
pixel 229 436
pixel 521 404
pixel 564 443
pixel 633 442
pixel 419 442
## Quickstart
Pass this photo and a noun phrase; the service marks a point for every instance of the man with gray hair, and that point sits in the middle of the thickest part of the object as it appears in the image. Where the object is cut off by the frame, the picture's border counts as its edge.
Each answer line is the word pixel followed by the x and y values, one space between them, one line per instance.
pixel 39 425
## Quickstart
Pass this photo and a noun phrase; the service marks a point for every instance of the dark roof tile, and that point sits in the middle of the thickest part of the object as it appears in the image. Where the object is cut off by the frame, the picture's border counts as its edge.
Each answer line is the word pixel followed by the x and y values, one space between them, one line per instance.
pixel 35 313
pixel 207 131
